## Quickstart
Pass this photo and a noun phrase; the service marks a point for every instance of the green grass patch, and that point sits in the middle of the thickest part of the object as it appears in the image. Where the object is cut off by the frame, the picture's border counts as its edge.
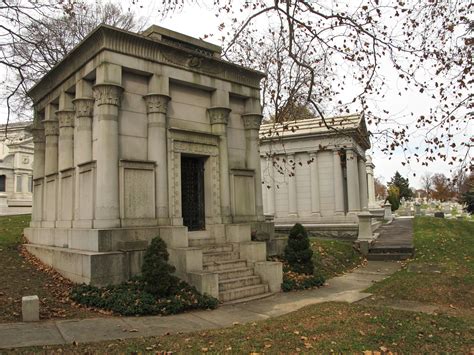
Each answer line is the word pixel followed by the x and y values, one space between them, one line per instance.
pixel 442 271
pixel 11 229
pixel 322 328
pixel 333 257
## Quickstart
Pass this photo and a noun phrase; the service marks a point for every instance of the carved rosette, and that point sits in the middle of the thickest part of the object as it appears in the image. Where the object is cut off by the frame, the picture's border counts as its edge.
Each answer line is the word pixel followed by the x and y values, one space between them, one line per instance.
pixel 156 103
pixel 84 106
pixel 51 127
pixel 252 120
pixel 107 94
pixel 65 118
pixel 219 115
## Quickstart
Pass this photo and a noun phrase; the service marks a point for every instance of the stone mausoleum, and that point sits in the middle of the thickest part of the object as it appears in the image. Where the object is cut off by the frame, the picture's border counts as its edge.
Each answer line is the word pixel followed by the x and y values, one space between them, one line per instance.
pixel 317 176
pixel 140 135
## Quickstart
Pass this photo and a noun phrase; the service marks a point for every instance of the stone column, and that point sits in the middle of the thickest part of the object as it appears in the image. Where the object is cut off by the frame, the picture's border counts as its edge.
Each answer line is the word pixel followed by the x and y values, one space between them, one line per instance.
pixel 37 131
pixel 338 184
pixel 219 118
pixel 66 139
pixel 371 182
pixel 292 203
pixel 353 194
pixel 364 204
pixel 252 123
pixel 314 184
pixel 107 96
pixel 51 132
pixel 84 107
pixel 157 107
pixel 271 190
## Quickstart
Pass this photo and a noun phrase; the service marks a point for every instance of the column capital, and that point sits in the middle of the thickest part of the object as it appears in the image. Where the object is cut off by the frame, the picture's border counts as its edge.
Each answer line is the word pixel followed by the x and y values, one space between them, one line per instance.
pixel 156 103
pixel 313 154
pixel 219 115
pixel 51 127
pixel 107 94
pixel 252 120
pixel 65 118
pixel 84 106
pixel 36 129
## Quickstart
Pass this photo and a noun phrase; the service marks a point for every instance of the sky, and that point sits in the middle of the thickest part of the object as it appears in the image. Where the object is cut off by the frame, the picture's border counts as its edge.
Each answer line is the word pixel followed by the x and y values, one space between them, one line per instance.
pixel 197 21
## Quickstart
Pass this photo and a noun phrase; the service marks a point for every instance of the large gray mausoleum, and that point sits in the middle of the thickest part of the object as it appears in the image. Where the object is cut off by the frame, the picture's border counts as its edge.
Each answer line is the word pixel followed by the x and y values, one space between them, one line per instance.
pixel 139 135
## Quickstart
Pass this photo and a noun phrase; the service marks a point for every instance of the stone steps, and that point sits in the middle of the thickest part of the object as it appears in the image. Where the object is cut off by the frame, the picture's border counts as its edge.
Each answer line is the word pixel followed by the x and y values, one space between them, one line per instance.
pixel 391 249
pixel 225 265
pixel 200 242
pixel 251 298
pixel 225 285
pixel 215 248
pixel 235 273
pixel 242 292
pixel 208 258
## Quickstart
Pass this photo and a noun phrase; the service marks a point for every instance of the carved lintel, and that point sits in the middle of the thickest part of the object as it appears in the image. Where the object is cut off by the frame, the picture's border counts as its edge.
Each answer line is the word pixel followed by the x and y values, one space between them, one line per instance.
pixel 156 103
pixel 65 118
pixel 219 115
pixel 84 106
pixel 252 120
pixel 51 127
pixel 107 94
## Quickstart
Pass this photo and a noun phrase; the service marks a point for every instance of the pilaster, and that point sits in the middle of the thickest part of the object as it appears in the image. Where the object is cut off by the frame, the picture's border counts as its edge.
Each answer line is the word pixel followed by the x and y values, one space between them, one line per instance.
pixel 37 131
pixel 353 194
pixel 370 182
pixel 338 184
pixel 364 205
pixel 314 184
pixel 219 118
pixel 157 108
pixel 271 189
pixel 107 97
pixel 292 201
pixel 252 122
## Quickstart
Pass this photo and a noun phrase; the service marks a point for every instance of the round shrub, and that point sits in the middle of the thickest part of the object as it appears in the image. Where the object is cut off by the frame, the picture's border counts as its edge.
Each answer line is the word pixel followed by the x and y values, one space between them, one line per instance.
pixel 156 272
pixel 298 252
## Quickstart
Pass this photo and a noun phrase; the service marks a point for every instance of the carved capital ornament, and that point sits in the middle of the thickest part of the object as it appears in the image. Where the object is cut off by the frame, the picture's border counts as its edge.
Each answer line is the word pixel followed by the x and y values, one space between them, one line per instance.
pixel 65 118
pixel 252 120
pixel 84 106
pixel 107 94
pixel 219 115
pixel 51 127
pixel 156 103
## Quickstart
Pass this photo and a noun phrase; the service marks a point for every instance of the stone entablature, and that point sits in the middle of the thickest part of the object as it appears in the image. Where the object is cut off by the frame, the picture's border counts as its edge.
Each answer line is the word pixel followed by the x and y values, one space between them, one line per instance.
pixel 313 174
pixel 120 118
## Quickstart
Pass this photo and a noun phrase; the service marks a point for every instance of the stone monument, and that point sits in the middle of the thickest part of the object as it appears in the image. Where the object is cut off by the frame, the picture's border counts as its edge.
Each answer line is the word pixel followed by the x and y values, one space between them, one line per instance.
pixel 140 135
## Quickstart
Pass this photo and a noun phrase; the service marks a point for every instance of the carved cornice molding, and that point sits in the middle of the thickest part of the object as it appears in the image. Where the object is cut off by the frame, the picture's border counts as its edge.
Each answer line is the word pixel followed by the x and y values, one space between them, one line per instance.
pixel 156 103
pixel 107 94
pixel 51 127
pixel 219 115
pixel 84 106
pixel 65 118
pixel 252 120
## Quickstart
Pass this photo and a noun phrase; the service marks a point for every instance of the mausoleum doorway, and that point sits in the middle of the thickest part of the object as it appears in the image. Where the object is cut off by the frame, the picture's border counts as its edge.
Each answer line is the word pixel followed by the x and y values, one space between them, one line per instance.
pixel 192 192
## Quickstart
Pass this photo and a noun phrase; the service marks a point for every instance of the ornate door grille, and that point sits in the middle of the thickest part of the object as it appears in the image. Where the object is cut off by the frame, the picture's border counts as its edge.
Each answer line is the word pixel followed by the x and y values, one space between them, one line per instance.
pixel 192 193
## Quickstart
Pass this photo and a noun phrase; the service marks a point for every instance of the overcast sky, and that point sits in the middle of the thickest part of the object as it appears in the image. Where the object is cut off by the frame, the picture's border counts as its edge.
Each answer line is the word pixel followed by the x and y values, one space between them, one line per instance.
pixel 198 20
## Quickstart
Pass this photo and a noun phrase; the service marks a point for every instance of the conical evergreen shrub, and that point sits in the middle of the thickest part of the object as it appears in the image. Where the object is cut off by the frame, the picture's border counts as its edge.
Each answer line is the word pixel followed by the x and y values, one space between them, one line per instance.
pixel 298 252
pixel 156 271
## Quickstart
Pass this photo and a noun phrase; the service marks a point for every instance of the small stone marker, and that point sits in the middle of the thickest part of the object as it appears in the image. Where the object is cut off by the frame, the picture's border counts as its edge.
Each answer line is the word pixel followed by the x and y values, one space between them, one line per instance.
pixel 30 308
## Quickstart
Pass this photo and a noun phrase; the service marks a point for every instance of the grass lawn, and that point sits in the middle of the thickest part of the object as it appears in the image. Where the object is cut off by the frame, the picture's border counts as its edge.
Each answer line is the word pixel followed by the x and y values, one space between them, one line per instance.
pixel 322 328
pixel 442 271
pixel 20 277
pixel 334 257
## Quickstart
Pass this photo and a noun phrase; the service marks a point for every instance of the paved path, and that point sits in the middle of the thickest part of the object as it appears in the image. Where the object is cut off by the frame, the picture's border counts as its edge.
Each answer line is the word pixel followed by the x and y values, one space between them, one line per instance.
pixel 399 233
pixel 346 288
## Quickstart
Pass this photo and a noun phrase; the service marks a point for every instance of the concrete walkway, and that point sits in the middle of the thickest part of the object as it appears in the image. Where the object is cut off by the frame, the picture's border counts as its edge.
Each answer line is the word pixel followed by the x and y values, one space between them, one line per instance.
pixel 346 288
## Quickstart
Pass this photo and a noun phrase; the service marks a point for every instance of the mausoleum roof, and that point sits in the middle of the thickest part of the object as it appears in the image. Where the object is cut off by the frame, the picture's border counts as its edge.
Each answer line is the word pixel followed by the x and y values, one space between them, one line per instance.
pixel 350 124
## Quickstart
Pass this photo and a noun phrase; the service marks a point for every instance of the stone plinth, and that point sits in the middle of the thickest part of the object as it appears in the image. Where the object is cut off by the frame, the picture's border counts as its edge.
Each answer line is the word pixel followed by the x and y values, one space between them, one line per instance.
pixel 30 308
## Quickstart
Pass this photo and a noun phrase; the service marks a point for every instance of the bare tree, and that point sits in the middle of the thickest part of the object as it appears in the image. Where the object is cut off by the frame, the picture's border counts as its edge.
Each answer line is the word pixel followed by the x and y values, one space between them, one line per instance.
pixel 427 183
pixel 427 43
pixel 39 33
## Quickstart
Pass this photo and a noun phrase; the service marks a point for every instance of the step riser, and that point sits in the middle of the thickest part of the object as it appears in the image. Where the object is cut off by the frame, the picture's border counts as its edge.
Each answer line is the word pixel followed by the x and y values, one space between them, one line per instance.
pixel 217 248
pixel 235 274
pixel 251 281
pixel 391 250
pixel 226 266
pixel 201 241
pixel 207 258
pixel 242 293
